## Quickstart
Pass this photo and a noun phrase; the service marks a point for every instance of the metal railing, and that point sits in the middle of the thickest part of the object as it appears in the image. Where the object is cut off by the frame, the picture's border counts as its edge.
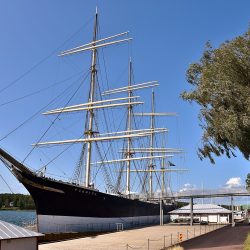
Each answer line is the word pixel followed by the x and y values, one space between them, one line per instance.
pixel 176 238
pixel 31 225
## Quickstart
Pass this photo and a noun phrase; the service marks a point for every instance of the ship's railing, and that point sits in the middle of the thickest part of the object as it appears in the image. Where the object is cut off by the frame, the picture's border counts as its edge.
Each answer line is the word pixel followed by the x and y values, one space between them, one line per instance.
pixel 152 197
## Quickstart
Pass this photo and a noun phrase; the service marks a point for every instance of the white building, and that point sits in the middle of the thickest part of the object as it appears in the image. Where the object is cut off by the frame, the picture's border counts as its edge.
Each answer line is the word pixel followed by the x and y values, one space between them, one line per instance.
pixel 13 237
pixel 239 215
pixel 202 212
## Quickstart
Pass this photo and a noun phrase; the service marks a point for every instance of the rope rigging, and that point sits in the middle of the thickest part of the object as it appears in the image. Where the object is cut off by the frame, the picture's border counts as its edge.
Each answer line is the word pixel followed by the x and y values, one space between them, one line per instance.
pixel 37 112
pixel 38 91
pixel 54 120
pixel 46 57
pixel 6 182
pixel 108 126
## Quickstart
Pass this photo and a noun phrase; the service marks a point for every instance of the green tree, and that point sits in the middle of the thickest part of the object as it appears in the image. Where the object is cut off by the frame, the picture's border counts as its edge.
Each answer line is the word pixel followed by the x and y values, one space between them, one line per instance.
pixel 6 202
pixel 20 200
pixel 221 87
pixel 248 182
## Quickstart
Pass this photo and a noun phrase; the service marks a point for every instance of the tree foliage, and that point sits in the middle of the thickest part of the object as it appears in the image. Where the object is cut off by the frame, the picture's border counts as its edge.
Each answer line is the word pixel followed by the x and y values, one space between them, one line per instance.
pixel 221 87
pixel 248 182
pixel 21 201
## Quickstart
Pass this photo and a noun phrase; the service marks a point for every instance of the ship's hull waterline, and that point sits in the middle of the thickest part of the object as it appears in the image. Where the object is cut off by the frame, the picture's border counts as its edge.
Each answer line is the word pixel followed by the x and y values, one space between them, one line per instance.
pixel 62 206
pixel 52 223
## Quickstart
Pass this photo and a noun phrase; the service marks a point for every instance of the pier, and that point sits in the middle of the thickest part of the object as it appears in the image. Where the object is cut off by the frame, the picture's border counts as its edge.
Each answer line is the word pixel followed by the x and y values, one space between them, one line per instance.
pixel 154 237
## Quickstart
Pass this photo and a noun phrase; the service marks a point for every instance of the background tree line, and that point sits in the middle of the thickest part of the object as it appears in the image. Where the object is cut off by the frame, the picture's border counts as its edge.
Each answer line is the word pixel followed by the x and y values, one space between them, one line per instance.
pixel 20 201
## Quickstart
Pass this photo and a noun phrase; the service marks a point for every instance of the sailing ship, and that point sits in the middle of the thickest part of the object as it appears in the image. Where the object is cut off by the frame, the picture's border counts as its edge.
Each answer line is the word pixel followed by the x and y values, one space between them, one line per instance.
pixel 78 205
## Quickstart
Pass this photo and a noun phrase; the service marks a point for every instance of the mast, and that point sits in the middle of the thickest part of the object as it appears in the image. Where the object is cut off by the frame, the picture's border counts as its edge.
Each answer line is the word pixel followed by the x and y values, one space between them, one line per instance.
pixel 152 124
pixel 93 104
pixel 163 172
pixel 163 178
pixel 129 127
pixel 89 132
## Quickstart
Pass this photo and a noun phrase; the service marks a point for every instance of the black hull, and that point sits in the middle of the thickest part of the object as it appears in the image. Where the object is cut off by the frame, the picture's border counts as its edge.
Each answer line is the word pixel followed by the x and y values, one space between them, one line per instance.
pixel 57 198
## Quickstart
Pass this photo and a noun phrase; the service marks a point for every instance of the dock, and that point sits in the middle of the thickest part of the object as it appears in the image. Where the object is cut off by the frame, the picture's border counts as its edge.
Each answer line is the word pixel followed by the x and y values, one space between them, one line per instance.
pixel 154 237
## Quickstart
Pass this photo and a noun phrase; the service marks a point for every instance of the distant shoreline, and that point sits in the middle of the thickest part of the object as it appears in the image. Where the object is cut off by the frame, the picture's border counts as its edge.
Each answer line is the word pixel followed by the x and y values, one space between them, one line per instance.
pixel 15 209
pixel 16 202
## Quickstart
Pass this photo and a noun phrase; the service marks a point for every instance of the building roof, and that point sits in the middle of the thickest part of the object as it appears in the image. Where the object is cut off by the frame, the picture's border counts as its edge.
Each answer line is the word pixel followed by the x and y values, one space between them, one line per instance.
pixel 10 231
pixel 202 209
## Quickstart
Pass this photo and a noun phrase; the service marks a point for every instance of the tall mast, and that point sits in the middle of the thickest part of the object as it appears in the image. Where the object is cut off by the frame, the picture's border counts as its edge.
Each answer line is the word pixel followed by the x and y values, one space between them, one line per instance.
pixel 163 170
pixel 89 132
pixel 152 125
pixel 162 177
pixel 129 127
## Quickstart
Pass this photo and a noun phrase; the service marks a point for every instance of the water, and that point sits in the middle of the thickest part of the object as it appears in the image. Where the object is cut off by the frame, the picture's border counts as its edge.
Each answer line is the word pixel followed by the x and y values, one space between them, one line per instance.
pixel 19 218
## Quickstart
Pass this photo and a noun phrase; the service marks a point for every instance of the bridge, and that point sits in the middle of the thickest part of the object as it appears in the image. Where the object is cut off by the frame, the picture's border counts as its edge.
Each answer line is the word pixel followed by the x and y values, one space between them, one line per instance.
pixel 191 197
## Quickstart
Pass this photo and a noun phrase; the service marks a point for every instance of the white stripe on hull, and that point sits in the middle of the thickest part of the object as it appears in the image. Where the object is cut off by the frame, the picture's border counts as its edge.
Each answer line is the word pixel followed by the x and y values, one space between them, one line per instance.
pixel 59 224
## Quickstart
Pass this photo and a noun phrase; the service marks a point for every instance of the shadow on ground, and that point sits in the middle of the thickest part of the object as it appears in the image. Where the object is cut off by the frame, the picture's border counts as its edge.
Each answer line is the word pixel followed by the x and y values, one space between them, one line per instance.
pixel 225 238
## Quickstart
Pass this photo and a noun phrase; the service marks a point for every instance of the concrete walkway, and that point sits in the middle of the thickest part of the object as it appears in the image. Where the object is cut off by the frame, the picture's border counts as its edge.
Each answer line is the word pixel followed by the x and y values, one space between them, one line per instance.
pixel 226 238
pixel 137 238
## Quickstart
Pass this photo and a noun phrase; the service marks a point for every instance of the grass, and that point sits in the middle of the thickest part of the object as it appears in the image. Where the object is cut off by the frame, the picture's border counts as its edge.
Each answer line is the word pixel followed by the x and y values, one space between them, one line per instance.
pixel 247 242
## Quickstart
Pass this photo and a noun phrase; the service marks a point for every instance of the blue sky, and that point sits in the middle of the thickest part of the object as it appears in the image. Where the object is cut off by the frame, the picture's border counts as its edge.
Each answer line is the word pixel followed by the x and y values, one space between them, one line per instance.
pixel 168 36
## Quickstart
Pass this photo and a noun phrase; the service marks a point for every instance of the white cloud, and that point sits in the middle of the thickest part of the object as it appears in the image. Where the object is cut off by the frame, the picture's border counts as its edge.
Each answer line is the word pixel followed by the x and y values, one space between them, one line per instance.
pixel 187 187
pixel 234 182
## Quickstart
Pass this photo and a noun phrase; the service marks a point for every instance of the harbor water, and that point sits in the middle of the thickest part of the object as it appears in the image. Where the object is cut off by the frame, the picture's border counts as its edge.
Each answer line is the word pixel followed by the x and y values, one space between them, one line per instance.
pixel 18 217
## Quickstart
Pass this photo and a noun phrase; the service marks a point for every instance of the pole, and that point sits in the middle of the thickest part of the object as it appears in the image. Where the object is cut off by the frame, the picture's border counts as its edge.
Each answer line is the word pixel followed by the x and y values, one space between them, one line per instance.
pixel 129 127
pixel 202 192
pixel 191 211
pixel 161 213
pixel 163 172
pixel 163 177
pixel 91 112
pixel 151 144
pixel 232 207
